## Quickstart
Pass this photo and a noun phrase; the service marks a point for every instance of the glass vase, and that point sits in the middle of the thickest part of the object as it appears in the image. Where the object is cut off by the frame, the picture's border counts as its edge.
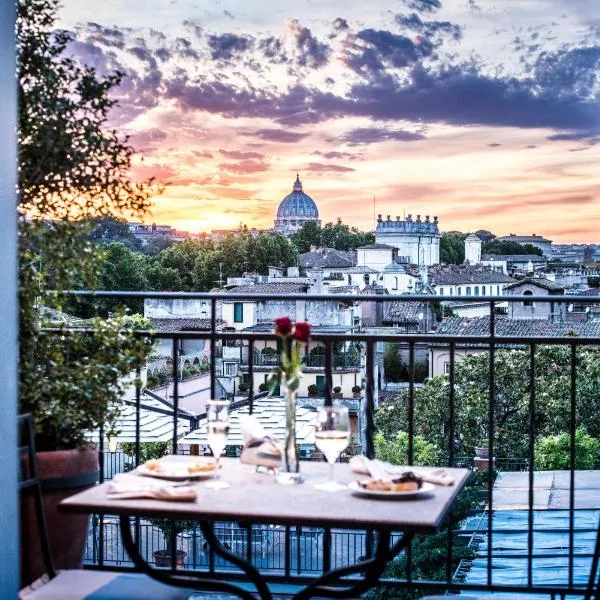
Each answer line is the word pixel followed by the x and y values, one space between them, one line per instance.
pixel 289 471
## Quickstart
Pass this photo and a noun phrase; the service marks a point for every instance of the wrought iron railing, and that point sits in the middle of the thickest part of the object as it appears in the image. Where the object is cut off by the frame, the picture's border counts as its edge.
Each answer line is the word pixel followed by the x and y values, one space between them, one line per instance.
pixel 569 581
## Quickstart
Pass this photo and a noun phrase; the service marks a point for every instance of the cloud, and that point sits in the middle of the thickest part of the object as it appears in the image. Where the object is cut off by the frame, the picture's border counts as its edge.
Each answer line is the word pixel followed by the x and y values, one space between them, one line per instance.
pixel 327 168
pixel 239 155
pixel 227 45
pixel 430 29
pixel 146 137
pixel 384 47
pixel 340 24
pixel 334 154
pixel 373 135
pixel 494 145
pixel 245 166
pixel 311 52
pixel 162 174
pixel 428 6
pixel 276 135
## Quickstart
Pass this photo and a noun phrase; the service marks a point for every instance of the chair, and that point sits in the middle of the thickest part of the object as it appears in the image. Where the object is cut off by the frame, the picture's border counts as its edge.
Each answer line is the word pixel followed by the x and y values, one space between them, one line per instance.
pixel 79 584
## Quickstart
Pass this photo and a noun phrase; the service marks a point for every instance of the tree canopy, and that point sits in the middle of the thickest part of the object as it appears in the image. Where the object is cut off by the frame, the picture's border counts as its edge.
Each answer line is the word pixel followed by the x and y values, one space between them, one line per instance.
pixel 512 397
pixel 332 235
pixel 508 247
pixel 452 248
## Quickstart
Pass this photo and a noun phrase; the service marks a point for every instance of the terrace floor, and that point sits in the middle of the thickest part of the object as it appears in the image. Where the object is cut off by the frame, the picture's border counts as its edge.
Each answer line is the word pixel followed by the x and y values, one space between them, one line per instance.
pixel 551 490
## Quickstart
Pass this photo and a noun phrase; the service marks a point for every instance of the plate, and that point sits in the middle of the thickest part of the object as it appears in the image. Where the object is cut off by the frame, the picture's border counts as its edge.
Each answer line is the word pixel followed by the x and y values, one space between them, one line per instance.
pixel 425 489
pixel 174 472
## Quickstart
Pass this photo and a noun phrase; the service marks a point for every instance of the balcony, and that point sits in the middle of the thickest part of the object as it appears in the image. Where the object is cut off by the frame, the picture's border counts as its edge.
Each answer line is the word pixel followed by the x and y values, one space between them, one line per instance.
pixel 515 513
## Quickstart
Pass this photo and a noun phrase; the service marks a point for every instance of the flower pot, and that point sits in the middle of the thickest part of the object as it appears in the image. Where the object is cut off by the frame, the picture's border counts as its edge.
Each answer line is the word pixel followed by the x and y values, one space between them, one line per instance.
pixel 337 395
pixel 162 558
pixel 356 395
pixel 481 452
pixel 62 474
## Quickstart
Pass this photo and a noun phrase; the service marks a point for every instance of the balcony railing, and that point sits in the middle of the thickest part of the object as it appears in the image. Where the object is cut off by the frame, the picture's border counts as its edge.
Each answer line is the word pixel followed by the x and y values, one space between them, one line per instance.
pixel 291 552
pixel 339 360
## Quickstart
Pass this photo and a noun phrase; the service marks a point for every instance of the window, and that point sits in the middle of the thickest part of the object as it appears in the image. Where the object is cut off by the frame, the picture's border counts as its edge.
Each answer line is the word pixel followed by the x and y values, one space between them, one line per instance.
pixel 441 291
pixel 468 291
pixel 528 302
pixel 477 290
pixel 498 290
pixel 446 368
pixel 483 290
pixel 395 283
pixel 459 292
pixel 230 369
pixel 238 312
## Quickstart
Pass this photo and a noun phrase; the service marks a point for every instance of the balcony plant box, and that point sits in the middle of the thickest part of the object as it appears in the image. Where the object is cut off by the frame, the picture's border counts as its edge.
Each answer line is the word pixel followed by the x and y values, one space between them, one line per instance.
pixel 72 391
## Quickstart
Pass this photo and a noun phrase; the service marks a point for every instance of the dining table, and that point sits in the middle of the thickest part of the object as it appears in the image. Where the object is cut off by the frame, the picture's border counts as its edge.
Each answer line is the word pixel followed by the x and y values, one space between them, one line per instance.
pixel 256 498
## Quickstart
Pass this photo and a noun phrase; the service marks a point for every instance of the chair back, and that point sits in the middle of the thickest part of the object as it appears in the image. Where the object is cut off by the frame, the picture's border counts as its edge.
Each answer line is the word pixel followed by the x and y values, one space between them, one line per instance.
pixel 30 484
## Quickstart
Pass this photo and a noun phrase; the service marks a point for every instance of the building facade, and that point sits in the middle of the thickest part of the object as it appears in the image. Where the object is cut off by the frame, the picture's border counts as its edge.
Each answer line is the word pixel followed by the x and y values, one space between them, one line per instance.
pixel 417 241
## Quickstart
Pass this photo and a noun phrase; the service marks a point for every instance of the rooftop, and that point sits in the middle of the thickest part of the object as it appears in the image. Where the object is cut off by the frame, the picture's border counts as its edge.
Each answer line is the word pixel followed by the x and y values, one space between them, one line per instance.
pixel 540 282
pixel 326 257
pixel 270 288
pixel 173 324
pixel 465 274
pixel 515 257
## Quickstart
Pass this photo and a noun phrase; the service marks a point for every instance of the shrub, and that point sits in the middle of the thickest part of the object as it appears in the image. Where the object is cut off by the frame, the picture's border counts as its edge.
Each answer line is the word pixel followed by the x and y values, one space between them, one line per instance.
pixel 313 390
pixel 263 387
pixel 162 377
pixel 151 382
pixel 269 351
pixel 337 389
pixel 356 389
pixel 553 452
pixel 392 363
pixel 396 450
pixel 243 387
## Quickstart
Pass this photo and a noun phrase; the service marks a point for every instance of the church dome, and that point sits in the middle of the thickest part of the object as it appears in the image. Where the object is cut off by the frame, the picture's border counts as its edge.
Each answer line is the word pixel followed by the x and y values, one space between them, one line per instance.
pixel 298 205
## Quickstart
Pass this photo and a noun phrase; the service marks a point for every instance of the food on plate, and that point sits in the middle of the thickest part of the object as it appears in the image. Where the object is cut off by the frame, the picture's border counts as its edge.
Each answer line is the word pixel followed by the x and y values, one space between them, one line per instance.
pixel 407 482
pixel 169 467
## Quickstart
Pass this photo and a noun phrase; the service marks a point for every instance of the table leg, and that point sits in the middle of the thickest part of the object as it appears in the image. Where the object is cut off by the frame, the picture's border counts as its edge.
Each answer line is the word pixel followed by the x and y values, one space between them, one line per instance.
pixel 372 568
pixel 190 579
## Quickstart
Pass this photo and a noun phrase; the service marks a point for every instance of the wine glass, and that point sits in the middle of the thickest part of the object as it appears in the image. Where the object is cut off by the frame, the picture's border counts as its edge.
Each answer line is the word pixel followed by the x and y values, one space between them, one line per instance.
pixel 332 434
pixel 217 415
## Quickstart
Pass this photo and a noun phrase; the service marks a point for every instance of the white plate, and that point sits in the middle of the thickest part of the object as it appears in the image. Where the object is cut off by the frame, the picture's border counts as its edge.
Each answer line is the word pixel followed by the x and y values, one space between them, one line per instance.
pixel 425 489
pixel 176 474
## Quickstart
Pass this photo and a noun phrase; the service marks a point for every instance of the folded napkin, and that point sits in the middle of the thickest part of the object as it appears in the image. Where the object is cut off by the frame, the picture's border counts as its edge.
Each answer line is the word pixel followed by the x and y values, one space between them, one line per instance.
pixel 259 449
pixel 133 486
pixel 379 469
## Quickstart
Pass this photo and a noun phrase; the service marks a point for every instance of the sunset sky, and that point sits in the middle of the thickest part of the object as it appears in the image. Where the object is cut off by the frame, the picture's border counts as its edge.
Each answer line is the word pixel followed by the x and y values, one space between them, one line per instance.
pixel 483 112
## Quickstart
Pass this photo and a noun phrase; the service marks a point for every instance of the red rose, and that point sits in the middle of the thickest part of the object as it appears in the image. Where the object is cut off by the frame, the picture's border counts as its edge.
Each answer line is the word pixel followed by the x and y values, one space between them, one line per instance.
pixel 302 332
pixel 283 326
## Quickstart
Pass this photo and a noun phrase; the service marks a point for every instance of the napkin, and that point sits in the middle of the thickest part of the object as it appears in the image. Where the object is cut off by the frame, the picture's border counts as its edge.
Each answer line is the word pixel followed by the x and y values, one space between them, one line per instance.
pixel 379 469
pixel 259 448
pixel 132 486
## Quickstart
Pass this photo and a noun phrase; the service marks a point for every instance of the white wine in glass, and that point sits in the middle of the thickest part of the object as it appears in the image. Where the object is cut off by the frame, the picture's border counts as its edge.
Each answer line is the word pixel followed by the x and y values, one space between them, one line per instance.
pixel 332 434
pixel 217 415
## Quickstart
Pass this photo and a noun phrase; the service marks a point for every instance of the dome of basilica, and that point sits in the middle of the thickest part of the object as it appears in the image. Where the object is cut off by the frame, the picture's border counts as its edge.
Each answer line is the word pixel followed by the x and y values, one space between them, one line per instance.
pixel 296 209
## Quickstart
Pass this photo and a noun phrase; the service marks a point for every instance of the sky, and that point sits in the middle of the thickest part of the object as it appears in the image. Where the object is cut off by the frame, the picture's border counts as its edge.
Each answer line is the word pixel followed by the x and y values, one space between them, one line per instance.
pixel 485 113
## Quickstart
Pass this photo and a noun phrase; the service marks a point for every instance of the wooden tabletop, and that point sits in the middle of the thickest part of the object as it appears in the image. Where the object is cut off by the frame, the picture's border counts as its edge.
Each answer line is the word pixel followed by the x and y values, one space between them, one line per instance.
pixel 256 498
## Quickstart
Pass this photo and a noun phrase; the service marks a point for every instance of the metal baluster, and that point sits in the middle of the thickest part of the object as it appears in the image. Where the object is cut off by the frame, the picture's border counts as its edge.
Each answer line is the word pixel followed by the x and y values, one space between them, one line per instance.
pixel 176 357
pixel 369 448
pixel 532 409
pixel 101 517
pixel 326 550
pixel 138 385
pixel 411 403
pixel 572 432
pixel 492 399
pixel 288 551
pixel 251 376
pixel 328 373
pixel 213 341
pixel 450 548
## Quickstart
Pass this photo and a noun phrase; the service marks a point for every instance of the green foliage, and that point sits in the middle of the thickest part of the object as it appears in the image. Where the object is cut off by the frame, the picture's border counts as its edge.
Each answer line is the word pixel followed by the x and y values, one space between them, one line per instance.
pixel 263 387
pixel 452 248
pixel 70 167
pixel 593 282
pixel 243 387
pixel 110 229
pixel 392 363
pixel 511 406
pixel 508 247
pixel 356 389
pixel 332 235
pixel 395 450
pixel 337 389
pixel 313 390
pixel 554 452
pixel 148 451
pixel 151 382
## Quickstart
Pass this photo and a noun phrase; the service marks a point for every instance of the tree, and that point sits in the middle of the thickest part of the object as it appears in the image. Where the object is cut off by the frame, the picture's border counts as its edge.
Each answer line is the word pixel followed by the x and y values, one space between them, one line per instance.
pixel 308 235
pixel 332 235
pixel 110 229
pixel 392 363
pixel 484 235
pixel 508 247
pixel 452 248
pixel 395 450
pixel 512 397
pixel 71 166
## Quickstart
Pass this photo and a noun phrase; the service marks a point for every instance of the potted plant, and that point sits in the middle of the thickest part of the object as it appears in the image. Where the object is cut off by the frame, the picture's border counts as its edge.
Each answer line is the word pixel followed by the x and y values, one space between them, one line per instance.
pixel 170 530
pixel 356 391
pixel 482 449
pixel 243 389
pixel 337 392
pixel 263 387
pixel 313 390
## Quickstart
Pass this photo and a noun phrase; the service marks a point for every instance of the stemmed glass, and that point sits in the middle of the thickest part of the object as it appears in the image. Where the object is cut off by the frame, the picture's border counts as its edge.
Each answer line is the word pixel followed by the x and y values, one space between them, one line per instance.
pixel 332 434
pixel 217 415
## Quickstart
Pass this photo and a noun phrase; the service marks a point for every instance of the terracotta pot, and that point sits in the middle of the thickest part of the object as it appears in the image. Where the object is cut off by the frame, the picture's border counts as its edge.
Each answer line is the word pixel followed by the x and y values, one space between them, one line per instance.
pixel 62 473
pixel 162 558
pixel 482 452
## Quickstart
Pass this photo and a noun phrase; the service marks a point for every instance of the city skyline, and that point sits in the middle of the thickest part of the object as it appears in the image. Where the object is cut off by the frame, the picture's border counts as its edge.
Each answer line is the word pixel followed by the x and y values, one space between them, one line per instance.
pixel 483 114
